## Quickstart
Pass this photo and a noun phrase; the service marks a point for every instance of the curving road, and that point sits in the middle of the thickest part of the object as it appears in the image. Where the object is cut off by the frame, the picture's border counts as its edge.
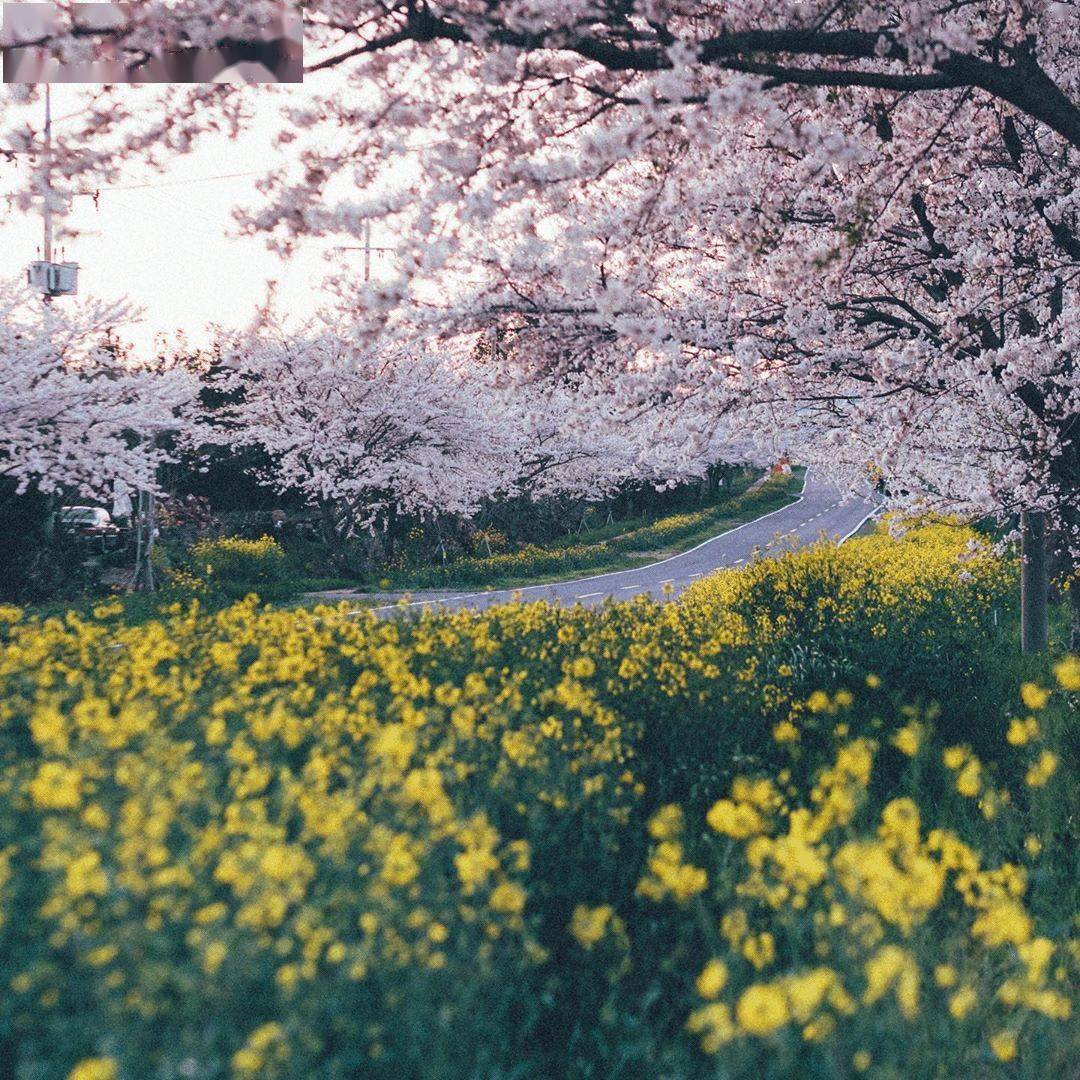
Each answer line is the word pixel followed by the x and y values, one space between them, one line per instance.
pixel 820 510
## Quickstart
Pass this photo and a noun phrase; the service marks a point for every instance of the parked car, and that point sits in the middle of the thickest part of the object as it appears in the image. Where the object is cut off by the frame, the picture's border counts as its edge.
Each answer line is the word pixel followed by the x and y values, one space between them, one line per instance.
pixel 90 526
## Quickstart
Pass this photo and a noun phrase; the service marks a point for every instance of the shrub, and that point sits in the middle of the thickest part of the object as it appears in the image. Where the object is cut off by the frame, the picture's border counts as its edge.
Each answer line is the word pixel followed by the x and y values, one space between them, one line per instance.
pixel 36 563
pixel 235 566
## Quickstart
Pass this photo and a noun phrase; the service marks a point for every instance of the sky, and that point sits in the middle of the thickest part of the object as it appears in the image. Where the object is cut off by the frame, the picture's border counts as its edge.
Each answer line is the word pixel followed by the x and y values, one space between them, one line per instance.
pixel 163 240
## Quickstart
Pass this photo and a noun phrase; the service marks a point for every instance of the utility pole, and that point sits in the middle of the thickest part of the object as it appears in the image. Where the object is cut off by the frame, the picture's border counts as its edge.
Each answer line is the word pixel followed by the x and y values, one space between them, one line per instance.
pixel 47 204
pixel 145 534
pixel 146 526
pixel 51 278
pixel 367 248
pixel 46 200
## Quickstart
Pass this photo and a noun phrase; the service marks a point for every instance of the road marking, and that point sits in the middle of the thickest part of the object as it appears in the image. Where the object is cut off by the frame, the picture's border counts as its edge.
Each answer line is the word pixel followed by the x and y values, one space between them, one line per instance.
pixel 631 586
pixel 872 513
pixel 586 595
pixel 698 574
pixel 667 581
pixel 738 561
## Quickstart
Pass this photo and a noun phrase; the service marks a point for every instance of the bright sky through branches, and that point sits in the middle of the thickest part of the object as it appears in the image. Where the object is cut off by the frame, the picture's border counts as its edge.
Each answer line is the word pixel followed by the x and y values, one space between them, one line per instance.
pixel 168 242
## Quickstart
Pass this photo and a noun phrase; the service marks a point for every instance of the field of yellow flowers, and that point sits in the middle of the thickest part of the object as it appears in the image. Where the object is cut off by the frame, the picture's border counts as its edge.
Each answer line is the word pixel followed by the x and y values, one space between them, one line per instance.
pixel 809 820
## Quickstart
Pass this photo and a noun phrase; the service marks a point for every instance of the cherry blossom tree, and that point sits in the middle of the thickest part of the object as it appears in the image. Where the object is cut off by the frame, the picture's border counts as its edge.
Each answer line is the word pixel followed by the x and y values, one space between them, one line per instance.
pixel 586 438
pixel 363 437
pixel 73 420
pixel 1010 50
pixel 370 438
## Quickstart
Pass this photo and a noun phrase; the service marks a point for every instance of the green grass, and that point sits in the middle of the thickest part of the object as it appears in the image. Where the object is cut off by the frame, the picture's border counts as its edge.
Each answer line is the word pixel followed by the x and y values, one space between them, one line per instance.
pixel 137 607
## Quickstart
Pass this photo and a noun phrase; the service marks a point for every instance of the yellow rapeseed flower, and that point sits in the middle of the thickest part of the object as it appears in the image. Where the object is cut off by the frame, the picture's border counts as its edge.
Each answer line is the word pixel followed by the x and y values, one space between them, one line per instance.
pixel 1042 769
pixel 508 898
pixel 1034 696
pixel 713 1023
pixel 893 968
pixel 1022 732
pixel 760 950
pixel 56 786
pixel 583 667
pixel 666 823
pixel 99 1068
pixel 670 875
pixel 969 778
pixel 908 739
pixel 712 979
pixel 962 1002
pixel 737 820
pixel 1004 1045
pixel 785 731
pixel 955 756
pixel 1003 922
pixel 1067 673
pixel 762 1009
pixel 589 925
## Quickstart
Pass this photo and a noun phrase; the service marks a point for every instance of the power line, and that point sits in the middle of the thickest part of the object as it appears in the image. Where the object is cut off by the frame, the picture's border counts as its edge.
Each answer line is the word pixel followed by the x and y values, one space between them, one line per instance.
pixel 12 154
pixel 174 183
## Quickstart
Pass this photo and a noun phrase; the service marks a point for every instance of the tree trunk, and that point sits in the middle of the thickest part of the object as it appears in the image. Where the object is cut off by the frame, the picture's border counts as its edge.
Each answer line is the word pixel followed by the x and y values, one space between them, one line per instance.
pixel 328 523
pixel 1034 616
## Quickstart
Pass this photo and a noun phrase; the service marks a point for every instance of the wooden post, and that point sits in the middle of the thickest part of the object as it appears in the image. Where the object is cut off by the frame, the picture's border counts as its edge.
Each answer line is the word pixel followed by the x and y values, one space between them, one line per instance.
pixel 1034 617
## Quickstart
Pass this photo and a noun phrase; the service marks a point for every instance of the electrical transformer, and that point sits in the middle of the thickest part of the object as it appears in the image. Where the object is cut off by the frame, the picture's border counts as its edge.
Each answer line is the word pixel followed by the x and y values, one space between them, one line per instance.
pixel 54 279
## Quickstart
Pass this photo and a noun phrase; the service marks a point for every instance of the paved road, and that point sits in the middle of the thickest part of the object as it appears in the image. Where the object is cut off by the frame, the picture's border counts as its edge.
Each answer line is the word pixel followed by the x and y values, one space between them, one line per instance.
pixel 820 509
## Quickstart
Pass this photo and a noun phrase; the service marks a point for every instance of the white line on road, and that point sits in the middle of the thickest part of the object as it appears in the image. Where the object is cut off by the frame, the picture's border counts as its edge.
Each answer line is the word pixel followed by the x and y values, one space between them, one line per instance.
pixel 860 525
pixel 586 595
